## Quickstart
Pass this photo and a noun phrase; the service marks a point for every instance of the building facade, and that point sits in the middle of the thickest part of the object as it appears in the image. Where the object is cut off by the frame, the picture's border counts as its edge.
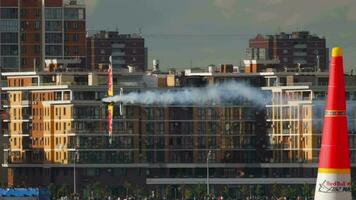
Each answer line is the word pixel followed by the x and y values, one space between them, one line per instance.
pixel 57 123
pixel 37 34
pixel 50 121
pixel 295 50
pixel 126 50
pixel 295 117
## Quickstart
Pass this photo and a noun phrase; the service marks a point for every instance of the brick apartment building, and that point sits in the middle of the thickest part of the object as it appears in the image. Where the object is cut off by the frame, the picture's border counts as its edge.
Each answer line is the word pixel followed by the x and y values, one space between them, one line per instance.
pixel 125 49
pixel 291 50
pixel 37 34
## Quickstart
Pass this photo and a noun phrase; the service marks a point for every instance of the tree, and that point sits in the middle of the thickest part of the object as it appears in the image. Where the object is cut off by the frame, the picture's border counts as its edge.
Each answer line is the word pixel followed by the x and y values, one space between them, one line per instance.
pixel 226 193
pixel 63 190
pixel 97 189
pixel 276 191
pixel 188 192
pixel 289 191
pixel 353 189
pixel 306 190
pixel 245 190
pixel 259 190
pixel 128 187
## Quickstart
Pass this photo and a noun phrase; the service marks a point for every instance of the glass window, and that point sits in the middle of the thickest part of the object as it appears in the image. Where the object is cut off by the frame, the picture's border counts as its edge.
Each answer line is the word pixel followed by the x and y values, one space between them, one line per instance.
pixel 75 37
pixel 53 26
pixel 9 50
pixel 53 50
pixel 36 49
pixel 53 13
pixel 53 37
pixel 74 13
pixel 37 25
pixel 8 13
pixel 8 26
pixel 9 37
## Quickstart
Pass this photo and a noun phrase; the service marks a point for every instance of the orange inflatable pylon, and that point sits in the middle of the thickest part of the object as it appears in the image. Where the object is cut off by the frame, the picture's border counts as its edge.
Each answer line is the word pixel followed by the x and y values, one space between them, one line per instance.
pixel 334 179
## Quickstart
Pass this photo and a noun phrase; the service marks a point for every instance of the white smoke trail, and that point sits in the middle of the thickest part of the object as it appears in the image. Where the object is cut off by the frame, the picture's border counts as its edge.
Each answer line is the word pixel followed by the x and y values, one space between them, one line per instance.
pixel 212 94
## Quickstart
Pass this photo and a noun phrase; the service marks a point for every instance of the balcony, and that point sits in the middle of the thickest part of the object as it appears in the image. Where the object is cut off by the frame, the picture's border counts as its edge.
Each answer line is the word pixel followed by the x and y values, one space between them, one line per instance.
pixel 117 53
pixel 300 46
pixel 118 46
pixel 25 103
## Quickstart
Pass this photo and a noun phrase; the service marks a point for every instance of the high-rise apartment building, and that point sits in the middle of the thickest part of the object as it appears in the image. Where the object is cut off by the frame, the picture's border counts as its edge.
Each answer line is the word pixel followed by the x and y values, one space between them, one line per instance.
pixel 42 35
pixel 295 50
pixel 125 49
pixel 55 116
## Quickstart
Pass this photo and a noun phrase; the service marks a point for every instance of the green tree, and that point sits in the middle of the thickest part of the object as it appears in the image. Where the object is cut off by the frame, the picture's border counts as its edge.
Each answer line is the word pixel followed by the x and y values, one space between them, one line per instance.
pixel 97 189
pixel 276 191
pixel 227 193
pixel 188 192
pixel 353 189
pixel 52 189
pixel 289 191
pixel 63 190
pixel 245 191
pixel 306 190
pixel 259 190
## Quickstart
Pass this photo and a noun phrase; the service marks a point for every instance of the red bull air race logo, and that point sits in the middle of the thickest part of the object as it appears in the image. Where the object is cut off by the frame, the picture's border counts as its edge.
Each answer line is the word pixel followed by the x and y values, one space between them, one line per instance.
pixel 334 186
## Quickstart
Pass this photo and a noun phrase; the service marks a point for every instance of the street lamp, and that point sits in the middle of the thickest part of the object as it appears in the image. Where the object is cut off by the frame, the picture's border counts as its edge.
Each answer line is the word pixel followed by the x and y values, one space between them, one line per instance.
pixel 207 173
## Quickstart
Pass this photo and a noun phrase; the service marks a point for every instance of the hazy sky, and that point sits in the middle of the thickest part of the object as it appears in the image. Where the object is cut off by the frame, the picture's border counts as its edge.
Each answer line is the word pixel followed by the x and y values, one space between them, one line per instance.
pixel 205 32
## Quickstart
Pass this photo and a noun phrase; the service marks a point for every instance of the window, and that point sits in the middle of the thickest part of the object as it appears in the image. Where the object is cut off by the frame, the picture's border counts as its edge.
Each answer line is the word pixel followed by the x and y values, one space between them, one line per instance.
pixel 76 50
pixel 9 25
pixel 23 37
pixel 8 13
pixel 74 13
pixel 53 25
pixel 36 49
pixel 53 37
pixel 37 12
pixel 37 37
pixel 53 50
pixel 23 61
pixel 23 13
pixel 9 50
pixel 75 25
pixel 66 37
pixel 23 50
pixel 53 13
pixel 75 37
pixel 37 25
pixel 8 38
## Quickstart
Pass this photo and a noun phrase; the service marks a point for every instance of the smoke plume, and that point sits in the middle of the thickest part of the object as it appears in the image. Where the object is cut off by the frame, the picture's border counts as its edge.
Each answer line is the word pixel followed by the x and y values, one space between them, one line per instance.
pixel 213 94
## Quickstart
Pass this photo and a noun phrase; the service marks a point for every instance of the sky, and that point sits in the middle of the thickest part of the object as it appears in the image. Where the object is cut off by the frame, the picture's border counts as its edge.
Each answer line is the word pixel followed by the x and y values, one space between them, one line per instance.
pixel 181 33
